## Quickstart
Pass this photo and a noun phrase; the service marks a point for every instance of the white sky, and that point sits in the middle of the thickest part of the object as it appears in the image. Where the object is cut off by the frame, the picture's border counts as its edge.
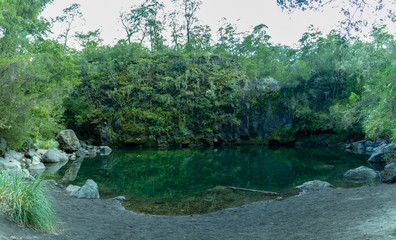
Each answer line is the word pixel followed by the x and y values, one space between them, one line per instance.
pixel 284 28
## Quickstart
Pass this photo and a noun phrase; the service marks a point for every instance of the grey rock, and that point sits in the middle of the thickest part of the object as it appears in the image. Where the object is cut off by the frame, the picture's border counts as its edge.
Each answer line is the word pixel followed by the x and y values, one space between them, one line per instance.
pixel 361 149
pixel 13 156
pixel 120 198
pixel 104 150
pixel 83 144
pixel 91 152
pixel 81 153
pixel 379 152
pixel 68 141
pixel 54 156
pixel 30 153
pixel 3 146
pixel 376 158
pixel 369 150
pixel 368 143
pixel 388 175
pixel 36 169
pixel 89 190
pixel 51 182
pixel 315 185
pixel 73 190
pixel 41 152
pixel 72 157
pixel 7 164
pixel 360 175
pixel 35 160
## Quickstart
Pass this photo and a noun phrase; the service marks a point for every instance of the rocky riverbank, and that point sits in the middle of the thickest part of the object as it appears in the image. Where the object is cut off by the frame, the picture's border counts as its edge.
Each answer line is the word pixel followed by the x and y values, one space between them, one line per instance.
pixel 32 161
pixel 382 160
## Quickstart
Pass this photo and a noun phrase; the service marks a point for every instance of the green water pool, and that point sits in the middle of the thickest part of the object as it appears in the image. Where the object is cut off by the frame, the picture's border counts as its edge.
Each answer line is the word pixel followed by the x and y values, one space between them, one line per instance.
pixel 155 173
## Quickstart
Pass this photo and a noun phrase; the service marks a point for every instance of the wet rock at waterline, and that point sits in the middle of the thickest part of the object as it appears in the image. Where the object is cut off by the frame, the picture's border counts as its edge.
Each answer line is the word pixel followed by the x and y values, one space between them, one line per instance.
pixel 54 156
pixel 88 190
pixel 68 141
pixel 360 175
pixel 315 185
pixel 104 150
pixel 379 152
pixel 388 175
pixel 36 168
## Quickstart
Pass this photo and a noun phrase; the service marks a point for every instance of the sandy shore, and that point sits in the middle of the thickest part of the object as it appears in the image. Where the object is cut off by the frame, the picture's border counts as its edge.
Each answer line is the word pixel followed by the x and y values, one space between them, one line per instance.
pixel 367 212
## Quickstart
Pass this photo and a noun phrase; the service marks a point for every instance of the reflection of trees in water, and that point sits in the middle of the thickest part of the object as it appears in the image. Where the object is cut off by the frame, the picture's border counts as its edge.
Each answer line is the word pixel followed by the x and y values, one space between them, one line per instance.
pixel 162 173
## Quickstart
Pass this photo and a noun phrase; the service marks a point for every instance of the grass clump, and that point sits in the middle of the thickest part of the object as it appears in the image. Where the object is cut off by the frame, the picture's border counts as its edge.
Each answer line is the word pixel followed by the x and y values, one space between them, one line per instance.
pixel 26 202
pixel 47 144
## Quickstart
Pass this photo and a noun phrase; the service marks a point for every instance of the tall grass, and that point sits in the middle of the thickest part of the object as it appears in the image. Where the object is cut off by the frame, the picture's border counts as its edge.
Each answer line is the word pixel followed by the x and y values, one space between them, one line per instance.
pixel 47 144
pixel 26 202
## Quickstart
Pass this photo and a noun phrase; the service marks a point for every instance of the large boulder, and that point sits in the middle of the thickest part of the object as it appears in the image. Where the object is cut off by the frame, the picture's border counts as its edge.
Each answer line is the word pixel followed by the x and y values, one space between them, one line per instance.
pixel 54 156
pixel 313 186
pixel 360 175
pixel 68 141
pixel 13 156
pixel 6 164
pixel 388 175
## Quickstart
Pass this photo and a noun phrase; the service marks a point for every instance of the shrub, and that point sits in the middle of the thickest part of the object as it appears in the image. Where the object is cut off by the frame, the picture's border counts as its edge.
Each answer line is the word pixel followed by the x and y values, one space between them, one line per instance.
pixel 26 202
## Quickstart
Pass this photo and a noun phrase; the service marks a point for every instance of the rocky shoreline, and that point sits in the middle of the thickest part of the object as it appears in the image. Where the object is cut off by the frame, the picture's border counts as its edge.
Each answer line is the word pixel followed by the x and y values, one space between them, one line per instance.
pixel 382 161
pixel 83 216
pixel 33 161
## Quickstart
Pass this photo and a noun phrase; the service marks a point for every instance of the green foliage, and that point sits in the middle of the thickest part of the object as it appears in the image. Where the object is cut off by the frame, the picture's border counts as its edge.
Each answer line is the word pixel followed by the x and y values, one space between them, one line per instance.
pixel 26 202
pixel 47 144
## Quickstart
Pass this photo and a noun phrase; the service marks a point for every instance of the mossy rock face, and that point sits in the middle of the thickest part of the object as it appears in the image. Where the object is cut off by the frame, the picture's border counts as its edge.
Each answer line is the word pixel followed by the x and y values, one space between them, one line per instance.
pixel 283 137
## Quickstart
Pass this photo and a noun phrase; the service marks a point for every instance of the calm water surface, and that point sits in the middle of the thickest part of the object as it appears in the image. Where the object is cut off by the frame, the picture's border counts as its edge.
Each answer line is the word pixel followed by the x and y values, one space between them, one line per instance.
pixel 157 173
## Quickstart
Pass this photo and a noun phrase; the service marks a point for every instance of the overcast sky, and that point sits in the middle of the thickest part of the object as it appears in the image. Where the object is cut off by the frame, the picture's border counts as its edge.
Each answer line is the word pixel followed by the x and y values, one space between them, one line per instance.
pixel 284 28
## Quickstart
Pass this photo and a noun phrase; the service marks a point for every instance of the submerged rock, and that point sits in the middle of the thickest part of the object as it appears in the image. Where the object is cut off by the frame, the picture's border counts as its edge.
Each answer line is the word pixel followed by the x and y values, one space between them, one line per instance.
pixel 360 175
pixel 315 185
pixel 68 141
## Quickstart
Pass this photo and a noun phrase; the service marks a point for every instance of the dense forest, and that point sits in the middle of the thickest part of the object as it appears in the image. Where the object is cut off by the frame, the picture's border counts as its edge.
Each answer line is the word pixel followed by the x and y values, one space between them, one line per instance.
pixel 189 88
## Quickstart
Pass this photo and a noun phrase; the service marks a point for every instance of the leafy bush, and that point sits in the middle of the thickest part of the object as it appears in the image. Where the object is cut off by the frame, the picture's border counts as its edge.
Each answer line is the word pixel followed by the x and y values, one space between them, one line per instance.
pixel 26 202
